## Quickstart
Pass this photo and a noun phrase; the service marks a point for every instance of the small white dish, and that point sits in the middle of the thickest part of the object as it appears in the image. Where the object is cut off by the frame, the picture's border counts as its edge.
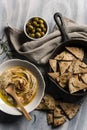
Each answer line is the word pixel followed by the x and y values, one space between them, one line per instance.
pixel 36 28
pixel 41 86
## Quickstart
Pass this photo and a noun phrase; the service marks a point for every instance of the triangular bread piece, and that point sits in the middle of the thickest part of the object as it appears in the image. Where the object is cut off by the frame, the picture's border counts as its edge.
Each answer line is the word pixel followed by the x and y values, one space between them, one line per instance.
pixel 59 118
pixel 63 79
pixel 63 66
pixel 70 109
pixel 84 78
pixel 76 85
pixel 77 52
pixel 50 117
pixel 54 75
pixel 79 67
pixel 53 64
pixel 71 67
pixel 64 56
pixel 47 103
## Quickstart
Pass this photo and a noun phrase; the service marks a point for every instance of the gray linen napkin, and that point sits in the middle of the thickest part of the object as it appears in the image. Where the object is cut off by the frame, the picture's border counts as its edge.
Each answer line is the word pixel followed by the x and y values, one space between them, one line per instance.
pixel 40 51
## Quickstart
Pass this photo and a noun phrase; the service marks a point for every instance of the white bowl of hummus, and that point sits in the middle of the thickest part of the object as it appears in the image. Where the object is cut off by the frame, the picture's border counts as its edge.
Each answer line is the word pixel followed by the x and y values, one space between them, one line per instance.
pixel 29 85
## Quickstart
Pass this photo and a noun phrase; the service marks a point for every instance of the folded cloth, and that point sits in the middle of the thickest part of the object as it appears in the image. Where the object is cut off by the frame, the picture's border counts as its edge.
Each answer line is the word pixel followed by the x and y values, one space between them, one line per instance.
pixel 41 50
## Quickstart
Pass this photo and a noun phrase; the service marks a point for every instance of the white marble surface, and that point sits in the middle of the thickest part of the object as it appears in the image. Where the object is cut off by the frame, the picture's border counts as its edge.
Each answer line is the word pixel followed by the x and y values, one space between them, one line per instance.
pixel 14 13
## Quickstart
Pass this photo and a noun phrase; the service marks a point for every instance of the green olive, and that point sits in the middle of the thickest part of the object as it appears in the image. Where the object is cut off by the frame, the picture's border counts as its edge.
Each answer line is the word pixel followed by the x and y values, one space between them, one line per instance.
pixel 29 23
pixel 42 33
pixel 38 35
pixel 34 23
pixel 35 19
pixel 44 29
pixel 30 27
pixel 40 21
pixel 38 29
pixel 42 26
pixel 33 31
pixel 32 35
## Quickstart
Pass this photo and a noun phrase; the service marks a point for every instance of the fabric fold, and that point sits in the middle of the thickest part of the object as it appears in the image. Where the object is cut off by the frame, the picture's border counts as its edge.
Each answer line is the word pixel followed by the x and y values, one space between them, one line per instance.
pixel 40 51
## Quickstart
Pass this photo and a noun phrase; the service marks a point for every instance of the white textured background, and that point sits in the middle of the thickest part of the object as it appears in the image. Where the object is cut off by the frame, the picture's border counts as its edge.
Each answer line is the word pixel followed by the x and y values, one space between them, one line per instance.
pixel 14 13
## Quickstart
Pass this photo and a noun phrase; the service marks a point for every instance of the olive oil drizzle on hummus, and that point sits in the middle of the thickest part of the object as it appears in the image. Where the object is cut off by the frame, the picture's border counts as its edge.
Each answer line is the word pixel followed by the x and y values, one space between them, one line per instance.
pixel 25 85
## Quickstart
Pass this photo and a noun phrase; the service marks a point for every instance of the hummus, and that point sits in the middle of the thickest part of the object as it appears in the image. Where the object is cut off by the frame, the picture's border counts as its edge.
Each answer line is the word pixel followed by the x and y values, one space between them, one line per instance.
pixel 24 81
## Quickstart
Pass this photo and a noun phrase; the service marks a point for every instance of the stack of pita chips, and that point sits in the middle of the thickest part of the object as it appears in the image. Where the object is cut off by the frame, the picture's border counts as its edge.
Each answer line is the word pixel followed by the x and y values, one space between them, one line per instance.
pixel 57 111
pixel 69 70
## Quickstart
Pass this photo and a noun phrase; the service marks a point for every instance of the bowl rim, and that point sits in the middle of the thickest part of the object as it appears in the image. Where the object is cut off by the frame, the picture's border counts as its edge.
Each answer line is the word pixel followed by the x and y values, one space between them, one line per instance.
pixel 3 104
pixel 35 39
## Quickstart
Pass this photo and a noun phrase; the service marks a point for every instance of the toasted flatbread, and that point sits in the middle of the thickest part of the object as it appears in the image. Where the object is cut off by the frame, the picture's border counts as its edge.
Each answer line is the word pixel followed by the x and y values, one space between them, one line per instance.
pixel 79 67
pixel 63 66
pixel 54 75
pixel 47 103
pixel 64 56
pixel 42 105
pixel 53 64
pixel 77 52
pixel 59 118
pixel 84 78
pixel 70 69
pixel 50 118
pixel 76 85
pixel 70 109
pixel 63 79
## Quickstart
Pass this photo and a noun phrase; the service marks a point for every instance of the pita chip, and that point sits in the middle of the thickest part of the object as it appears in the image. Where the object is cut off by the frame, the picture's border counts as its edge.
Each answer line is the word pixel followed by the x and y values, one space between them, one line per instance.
pixel 63 66
pixel 47 103
pixel 59 118
pixel 70 109
pixel 65 55
pixel 77 52
pixel 53 64
pixel 54 75
pixel 76 85
pixel 79 67
pixel 50 118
